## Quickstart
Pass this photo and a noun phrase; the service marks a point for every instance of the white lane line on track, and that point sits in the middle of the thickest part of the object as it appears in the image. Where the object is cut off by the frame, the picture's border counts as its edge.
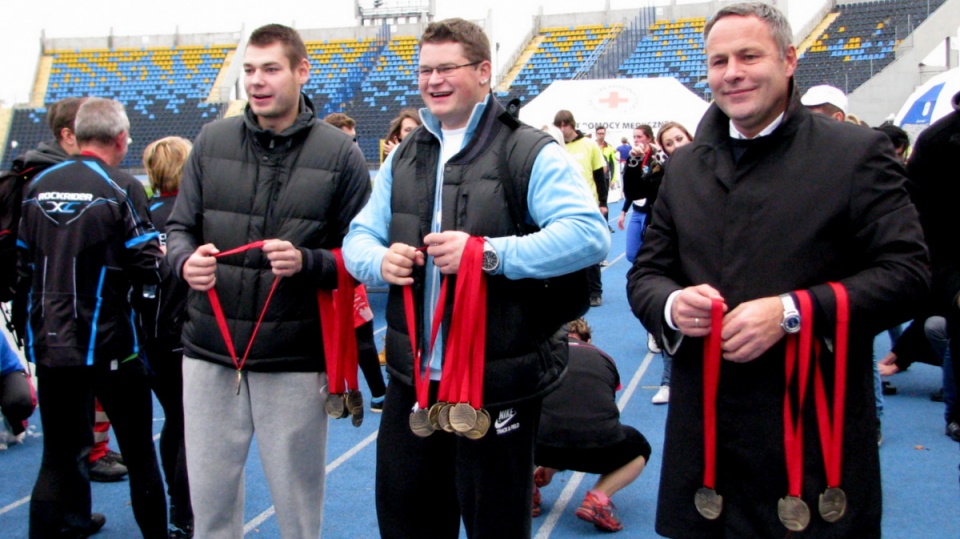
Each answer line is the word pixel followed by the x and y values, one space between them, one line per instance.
pixel 14 505
pixel 567 494
pixel 270 511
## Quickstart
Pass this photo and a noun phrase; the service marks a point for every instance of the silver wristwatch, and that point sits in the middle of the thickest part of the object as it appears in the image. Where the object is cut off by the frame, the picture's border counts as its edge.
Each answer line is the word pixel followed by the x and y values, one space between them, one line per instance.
pixel 791 316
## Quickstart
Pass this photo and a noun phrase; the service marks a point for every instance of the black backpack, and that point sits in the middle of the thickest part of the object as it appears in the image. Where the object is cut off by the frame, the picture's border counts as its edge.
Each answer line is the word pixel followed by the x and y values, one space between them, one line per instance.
pixel 12 184
pixel 559 299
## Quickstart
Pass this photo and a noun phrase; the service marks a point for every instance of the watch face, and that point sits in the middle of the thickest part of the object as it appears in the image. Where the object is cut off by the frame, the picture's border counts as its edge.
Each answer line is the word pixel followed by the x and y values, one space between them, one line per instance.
pixel 791 324
pixel 489 260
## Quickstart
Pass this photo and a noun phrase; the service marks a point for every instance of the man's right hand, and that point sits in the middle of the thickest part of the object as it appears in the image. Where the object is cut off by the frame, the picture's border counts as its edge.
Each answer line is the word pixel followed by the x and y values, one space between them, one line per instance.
pixel 398 263
pixel 199 271
pixel 691 310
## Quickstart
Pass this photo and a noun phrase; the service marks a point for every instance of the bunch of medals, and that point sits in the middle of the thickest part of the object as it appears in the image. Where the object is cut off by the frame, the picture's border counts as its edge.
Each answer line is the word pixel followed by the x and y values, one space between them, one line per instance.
pixel 217 309
pixel 336 309
pixel 801 352
pixel 459 407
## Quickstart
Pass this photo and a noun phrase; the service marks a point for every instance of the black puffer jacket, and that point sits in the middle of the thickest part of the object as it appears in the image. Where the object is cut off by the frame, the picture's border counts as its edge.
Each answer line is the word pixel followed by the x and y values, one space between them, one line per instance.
pixel 243 184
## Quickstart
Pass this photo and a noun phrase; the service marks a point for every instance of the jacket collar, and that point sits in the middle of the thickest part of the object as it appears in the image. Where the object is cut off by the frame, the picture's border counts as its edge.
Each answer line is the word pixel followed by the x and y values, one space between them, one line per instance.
pixel 487 119
pixel 268 139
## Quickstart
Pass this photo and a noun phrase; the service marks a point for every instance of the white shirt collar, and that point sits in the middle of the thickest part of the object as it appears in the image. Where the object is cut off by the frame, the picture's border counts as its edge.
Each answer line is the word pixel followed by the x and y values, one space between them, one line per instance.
pixel 734 134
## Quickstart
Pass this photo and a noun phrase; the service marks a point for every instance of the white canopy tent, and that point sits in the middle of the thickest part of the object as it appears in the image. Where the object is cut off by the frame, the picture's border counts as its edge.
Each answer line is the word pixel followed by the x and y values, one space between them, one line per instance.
pixel 619 104
pixel 929 102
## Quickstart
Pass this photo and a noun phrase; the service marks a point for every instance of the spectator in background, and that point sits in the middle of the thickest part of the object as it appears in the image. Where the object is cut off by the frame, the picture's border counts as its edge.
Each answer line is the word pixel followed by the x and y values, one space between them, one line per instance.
pixel 644 174
pixel 611 171
pixel 93 256
pixel 932 172
pixel 826 100
pixel 106 465
pixel 162 314
pixel 17 400
pixel 580 430
pixel 623 152
pixel 589 159
pixel 400 127
pixel 899 138
pixel 280 176
pixel 342 122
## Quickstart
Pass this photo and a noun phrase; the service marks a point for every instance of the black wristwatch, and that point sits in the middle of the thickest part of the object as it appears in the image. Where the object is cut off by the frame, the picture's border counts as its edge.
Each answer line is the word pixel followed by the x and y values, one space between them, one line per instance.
pixel 491 261
pixel 791 316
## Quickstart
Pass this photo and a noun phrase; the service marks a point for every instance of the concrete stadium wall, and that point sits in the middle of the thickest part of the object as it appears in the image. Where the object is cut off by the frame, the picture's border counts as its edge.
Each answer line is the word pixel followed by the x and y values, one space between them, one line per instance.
pixel 117 42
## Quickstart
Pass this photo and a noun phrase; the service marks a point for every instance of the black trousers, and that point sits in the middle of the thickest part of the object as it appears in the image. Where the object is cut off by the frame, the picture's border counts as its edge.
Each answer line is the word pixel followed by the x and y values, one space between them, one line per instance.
pixel 487 482
pixel 16 399
pixel 61 496
pixel 369 360
pixel 594 283
pixel 166 378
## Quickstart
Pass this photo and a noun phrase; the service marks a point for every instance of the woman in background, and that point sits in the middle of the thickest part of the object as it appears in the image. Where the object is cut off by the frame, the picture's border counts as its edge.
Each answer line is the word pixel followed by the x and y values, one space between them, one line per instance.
pixel 641 184
pixel 400 127
pixel 162 313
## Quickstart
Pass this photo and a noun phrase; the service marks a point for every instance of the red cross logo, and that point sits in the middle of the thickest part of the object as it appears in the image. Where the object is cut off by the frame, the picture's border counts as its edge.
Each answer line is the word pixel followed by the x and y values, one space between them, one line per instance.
pixel 613 100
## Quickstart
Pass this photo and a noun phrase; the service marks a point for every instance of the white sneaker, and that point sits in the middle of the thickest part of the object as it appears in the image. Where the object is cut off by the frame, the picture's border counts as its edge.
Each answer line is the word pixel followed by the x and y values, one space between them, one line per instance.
pixel 662 396
pixel 652 345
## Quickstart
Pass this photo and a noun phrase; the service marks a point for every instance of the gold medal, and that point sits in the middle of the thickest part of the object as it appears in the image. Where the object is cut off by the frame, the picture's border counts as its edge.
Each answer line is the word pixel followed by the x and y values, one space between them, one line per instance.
pixel 709 503
pixel 793 513
pixel 463 417
pixel 443 418
pixel 482 426
pixel 433 414
pixel 833 504
pixel 335 406
pixel 420 424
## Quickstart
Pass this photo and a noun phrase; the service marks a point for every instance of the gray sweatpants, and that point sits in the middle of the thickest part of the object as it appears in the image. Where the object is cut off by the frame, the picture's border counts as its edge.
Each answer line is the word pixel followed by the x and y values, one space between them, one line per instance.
pixel 286 411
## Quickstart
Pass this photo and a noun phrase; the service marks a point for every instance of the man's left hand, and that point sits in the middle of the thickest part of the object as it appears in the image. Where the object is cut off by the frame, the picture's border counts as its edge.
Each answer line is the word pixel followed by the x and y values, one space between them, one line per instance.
pixel 446 248
pixel 285 259
pixel 751 329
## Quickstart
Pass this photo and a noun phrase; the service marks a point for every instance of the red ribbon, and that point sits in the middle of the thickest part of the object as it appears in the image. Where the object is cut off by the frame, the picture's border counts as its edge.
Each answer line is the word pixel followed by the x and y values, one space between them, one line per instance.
pixel 831 428
pixel 421 380
pixel 711 381
pixel 461 378
pixel 336 308
pixel 793 426
pixel 221 319
pixel 466 341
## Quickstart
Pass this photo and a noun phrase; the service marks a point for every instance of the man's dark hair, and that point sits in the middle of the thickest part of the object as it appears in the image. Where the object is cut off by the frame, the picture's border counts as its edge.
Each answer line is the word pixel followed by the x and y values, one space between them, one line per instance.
pixel 290 39
pixel 339 120
pixel 599 127
pixel 564 117
pixel 647 130
pixel 897 136
pixel 63 114
pixel 476 46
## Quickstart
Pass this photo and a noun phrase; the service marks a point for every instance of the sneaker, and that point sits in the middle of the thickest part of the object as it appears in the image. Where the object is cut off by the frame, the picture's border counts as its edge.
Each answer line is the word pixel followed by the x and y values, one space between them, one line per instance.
pixel 535 510
pixel 879 433
pixel 888 389
pixel 97 520
pixel 603 516
pixel 596 301
pixel 541 478
pixel 662 396
pixel 181 532
pixel 937 396
pixel 105 470
pixel 376 406
pixel 652 344
pixel 953 431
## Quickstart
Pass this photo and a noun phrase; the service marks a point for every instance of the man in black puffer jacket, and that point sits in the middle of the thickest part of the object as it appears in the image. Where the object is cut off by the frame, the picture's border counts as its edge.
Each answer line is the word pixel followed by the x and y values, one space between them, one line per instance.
pixel 277 174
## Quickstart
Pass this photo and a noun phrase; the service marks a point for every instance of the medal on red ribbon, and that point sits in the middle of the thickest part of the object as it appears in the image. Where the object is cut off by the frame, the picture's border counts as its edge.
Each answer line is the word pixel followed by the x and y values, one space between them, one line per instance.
pixel 337 314
pixel 708 503
pixel 222 321
pixel 830 420
pixel 791 509
pixel 459 406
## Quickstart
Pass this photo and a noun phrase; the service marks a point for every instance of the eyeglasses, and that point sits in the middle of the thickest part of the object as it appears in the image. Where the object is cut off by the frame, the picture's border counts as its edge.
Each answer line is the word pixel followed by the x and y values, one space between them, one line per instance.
pixel 444 70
